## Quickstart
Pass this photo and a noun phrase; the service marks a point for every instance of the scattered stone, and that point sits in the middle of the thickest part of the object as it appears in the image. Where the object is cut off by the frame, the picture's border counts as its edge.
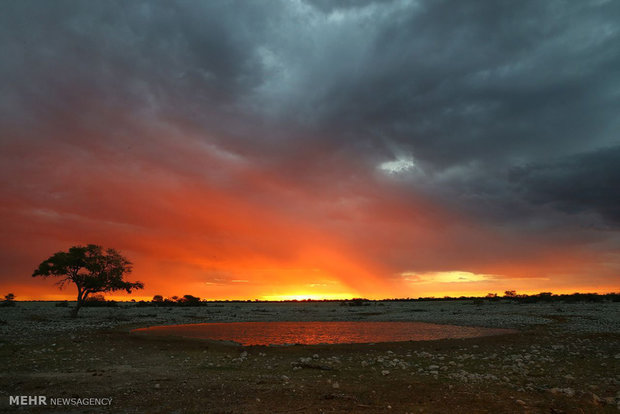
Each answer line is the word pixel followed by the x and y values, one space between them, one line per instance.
pixel 569 392
pixel 596 399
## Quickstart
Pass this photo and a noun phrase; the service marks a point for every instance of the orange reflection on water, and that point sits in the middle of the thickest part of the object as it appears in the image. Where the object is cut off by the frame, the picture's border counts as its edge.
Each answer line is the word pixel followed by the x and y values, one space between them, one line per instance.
pixel 312 333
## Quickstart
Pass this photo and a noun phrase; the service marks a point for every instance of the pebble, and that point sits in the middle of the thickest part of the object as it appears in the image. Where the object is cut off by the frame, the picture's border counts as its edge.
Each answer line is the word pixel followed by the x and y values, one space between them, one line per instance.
pixel 566 391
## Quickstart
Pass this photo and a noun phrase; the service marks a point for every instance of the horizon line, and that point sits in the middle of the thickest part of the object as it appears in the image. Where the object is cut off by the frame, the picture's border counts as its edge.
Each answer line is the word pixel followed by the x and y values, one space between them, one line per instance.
pixel 517 296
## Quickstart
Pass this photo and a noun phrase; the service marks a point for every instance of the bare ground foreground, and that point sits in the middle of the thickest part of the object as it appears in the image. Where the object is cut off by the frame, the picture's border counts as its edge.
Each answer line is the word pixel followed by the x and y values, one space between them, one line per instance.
pixel 564 358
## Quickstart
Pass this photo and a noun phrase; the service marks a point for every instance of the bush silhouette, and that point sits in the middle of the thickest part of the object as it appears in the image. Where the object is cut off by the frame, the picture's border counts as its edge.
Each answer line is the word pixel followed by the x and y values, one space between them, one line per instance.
pixel 9 300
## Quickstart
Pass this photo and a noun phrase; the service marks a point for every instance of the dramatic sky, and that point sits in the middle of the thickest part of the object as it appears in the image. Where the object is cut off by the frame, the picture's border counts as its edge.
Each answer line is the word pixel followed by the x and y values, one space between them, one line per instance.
pixel 273 149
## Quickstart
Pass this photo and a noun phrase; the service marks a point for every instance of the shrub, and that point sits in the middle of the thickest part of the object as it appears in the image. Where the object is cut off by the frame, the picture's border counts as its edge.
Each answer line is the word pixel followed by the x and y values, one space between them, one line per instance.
pixel 189 300
pixel 97 300
pixel 356 302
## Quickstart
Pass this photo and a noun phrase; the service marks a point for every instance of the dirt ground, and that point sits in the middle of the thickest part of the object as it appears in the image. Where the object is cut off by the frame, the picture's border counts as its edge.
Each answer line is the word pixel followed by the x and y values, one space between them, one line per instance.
pixel 538 370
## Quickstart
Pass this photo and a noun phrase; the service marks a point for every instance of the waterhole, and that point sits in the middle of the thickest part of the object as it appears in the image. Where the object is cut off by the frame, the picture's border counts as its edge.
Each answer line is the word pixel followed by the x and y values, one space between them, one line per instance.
pixel 312 333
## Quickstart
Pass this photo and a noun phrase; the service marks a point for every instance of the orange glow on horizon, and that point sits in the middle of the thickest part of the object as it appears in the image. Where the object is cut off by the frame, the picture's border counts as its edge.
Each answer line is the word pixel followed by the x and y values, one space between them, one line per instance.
pixel 301 296
pixel 308 296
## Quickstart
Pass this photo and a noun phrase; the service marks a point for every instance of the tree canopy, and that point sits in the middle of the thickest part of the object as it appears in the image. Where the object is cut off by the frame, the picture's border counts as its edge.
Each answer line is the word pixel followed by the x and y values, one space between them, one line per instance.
pixel 91 269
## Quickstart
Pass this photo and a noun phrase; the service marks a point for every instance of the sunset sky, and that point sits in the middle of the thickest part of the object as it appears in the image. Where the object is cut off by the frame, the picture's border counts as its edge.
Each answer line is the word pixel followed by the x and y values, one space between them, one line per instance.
pixel 314 149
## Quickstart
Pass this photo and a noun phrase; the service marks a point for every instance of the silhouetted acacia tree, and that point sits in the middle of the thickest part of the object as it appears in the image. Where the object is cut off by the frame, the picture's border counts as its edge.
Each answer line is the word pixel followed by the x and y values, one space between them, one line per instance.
pixel 91 270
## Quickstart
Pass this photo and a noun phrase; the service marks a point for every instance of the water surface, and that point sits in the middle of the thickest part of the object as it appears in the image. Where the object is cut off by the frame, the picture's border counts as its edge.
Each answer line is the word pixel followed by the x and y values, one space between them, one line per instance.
pixel 312 333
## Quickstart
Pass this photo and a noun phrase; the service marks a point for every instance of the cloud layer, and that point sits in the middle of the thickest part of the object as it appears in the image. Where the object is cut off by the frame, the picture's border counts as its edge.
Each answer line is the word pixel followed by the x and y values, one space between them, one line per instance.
pixel 250 149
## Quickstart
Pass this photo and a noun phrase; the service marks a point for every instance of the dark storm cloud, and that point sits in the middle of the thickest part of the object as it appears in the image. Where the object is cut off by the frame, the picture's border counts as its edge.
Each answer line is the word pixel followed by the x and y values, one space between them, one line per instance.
pixel 454 85
pixel 503 111
pixel 141 55
pixel 576 184
pixel 451 82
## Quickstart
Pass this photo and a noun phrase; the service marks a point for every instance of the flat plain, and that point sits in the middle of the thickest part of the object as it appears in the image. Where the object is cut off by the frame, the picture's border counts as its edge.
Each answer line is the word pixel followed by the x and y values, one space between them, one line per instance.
pixel 562 358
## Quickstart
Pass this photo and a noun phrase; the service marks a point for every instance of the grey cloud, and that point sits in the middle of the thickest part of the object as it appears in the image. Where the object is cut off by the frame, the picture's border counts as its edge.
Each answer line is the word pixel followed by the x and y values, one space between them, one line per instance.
pixel 459 82
pixel 581 183
pixel 144 56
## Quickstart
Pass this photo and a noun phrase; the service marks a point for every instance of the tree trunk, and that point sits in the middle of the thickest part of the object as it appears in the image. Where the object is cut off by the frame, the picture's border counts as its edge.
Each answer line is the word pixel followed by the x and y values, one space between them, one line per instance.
pixel 75 310
pixel 80 300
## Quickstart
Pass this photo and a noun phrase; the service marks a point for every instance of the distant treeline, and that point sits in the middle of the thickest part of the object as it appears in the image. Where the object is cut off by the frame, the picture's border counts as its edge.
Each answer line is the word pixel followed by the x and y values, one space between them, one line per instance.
pixel 185 300
pixel 190 300
pixel 98 300
pixel 512 296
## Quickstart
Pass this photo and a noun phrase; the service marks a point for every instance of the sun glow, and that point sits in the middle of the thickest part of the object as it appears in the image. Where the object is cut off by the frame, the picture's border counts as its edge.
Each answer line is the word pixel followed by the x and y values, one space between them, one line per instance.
pixel 445 277
pixel 311 296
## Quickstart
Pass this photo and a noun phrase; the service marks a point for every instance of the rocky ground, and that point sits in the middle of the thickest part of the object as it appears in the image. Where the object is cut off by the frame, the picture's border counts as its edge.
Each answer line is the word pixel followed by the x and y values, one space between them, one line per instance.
pixel 564 359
